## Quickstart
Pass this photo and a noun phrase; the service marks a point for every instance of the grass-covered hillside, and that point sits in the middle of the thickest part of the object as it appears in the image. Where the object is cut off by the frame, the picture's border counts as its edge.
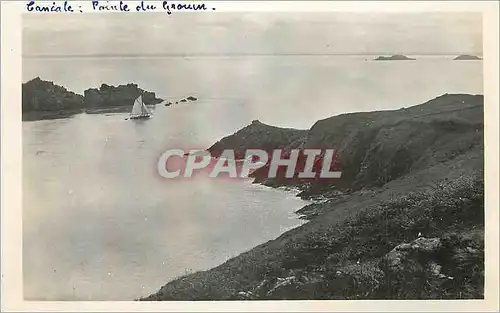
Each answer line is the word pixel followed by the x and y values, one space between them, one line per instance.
pixel 406 220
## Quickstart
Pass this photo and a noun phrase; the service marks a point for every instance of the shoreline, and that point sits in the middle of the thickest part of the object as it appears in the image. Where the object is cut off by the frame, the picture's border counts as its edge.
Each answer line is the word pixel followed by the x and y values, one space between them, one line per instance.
pixel 348 236
pixel 34 116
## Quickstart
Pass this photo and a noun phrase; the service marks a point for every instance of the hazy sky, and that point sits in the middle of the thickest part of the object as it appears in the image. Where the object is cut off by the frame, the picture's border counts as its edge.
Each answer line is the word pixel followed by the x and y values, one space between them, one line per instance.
pixel 248 33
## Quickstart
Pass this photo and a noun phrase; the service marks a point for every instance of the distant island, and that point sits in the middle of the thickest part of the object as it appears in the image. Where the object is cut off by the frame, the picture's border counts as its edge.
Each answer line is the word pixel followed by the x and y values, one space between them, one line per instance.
pixel 467 57
pixel 395 57
pixel 45 100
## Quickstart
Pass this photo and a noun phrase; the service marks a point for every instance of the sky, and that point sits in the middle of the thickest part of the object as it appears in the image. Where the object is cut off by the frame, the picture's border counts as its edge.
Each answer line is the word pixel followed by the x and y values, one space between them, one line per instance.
pixel 252 33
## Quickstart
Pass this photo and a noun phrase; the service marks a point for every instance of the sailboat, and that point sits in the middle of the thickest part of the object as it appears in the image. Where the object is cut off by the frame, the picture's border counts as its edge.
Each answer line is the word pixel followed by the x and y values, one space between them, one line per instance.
pixel 139 111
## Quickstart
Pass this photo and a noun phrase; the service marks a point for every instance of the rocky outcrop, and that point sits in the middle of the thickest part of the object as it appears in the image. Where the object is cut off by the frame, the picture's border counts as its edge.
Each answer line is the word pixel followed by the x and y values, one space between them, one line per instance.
pixel 43 100
pixel 419 249
pixel 122 95
pixel 435 265
pixel 273 288
pixel 396 57
pixel 467 57
pixel 258 135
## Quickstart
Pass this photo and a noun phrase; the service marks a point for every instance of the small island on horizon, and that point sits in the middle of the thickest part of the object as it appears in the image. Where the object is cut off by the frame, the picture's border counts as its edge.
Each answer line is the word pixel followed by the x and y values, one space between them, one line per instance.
pixel 395 57
pixel 467 57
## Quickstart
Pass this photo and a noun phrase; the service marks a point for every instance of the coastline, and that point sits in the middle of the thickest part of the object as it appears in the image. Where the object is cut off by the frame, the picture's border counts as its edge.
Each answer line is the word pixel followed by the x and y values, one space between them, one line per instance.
pixel 62 114
pixel 49 115
pixel 347 249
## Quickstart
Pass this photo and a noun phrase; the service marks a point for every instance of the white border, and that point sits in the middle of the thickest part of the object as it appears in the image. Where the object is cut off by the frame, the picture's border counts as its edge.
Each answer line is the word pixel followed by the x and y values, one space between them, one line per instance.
pixel 11 223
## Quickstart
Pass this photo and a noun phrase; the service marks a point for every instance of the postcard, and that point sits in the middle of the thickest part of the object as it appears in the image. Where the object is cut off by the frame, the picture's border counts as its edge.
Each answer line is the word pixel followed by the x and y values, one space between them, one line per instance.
pixel 249 156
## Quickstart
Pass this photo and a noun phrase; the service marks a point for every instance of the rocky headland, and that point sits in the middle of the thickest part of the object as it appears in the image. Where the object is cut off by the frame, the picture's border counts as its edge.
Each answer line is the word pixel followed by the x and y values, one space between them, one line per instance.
pixel 45 100
pixel 396 57
pixel 258 135
pixel 405 221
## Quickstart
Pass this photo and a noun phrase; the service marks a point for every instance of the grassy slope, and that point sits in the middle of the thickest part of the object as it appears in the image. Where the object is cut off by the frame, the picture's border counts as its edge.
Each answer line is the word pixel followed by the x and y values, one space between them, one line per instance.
pixel 413 170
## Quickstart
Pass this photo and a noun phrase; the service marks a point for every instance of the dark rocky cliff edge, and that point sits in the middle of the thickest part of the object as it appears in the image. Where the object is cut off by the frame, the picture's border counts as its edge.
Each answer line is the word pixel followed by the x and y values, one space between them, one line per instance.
pixel 406 220
pixel 45 100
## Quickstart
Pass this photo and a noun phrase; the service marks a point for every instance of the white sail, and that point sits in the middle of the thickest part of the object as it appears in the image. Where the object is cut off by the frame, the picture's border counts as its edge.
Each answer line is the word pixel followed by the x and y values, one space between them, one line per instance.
pixel 144 108
pixel 139 108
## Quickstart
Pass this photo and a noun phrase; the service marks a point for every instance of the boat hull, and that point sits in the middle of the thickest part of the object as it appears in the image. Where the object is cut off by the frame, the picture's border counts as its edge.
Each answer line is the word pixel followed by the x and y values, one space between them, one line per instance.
pixel 140 117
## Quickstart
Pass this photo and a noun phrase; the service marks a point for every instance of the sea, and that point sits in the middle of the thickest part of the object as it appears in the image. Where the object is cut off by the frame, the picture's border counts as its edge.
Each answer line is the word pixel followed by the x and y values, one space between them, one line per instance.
pixel 98 221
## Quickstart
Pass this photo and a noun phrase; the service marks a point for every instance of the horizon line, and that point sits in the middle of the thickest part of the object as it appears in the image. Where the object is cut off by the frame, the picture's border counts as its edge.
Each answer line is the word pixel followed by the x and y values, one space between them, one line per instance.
pixel 185 55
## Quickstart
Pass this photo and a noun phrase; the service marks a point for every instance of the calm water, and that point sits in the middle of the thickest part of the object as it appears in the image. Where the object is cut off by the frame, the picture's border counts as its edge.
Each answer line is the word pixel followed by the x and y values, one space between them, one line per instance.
pixel 98 222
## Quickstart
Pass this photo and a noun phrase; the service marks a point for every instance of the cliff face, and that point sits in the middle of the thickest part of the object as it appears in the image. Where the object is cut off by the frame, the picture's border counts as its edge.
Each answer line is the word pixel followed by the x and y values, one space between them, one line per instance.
pixel 406 220
pixel 122 95
pixel 374 148
pixel 41 97
pixel 377 147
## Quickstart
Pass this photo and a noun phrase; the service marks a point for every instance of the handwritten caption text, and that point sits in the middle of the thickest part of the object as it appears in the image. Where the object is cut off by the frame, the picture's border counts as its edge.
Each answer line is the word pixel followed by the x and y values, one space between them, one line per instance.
pixel 116 6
